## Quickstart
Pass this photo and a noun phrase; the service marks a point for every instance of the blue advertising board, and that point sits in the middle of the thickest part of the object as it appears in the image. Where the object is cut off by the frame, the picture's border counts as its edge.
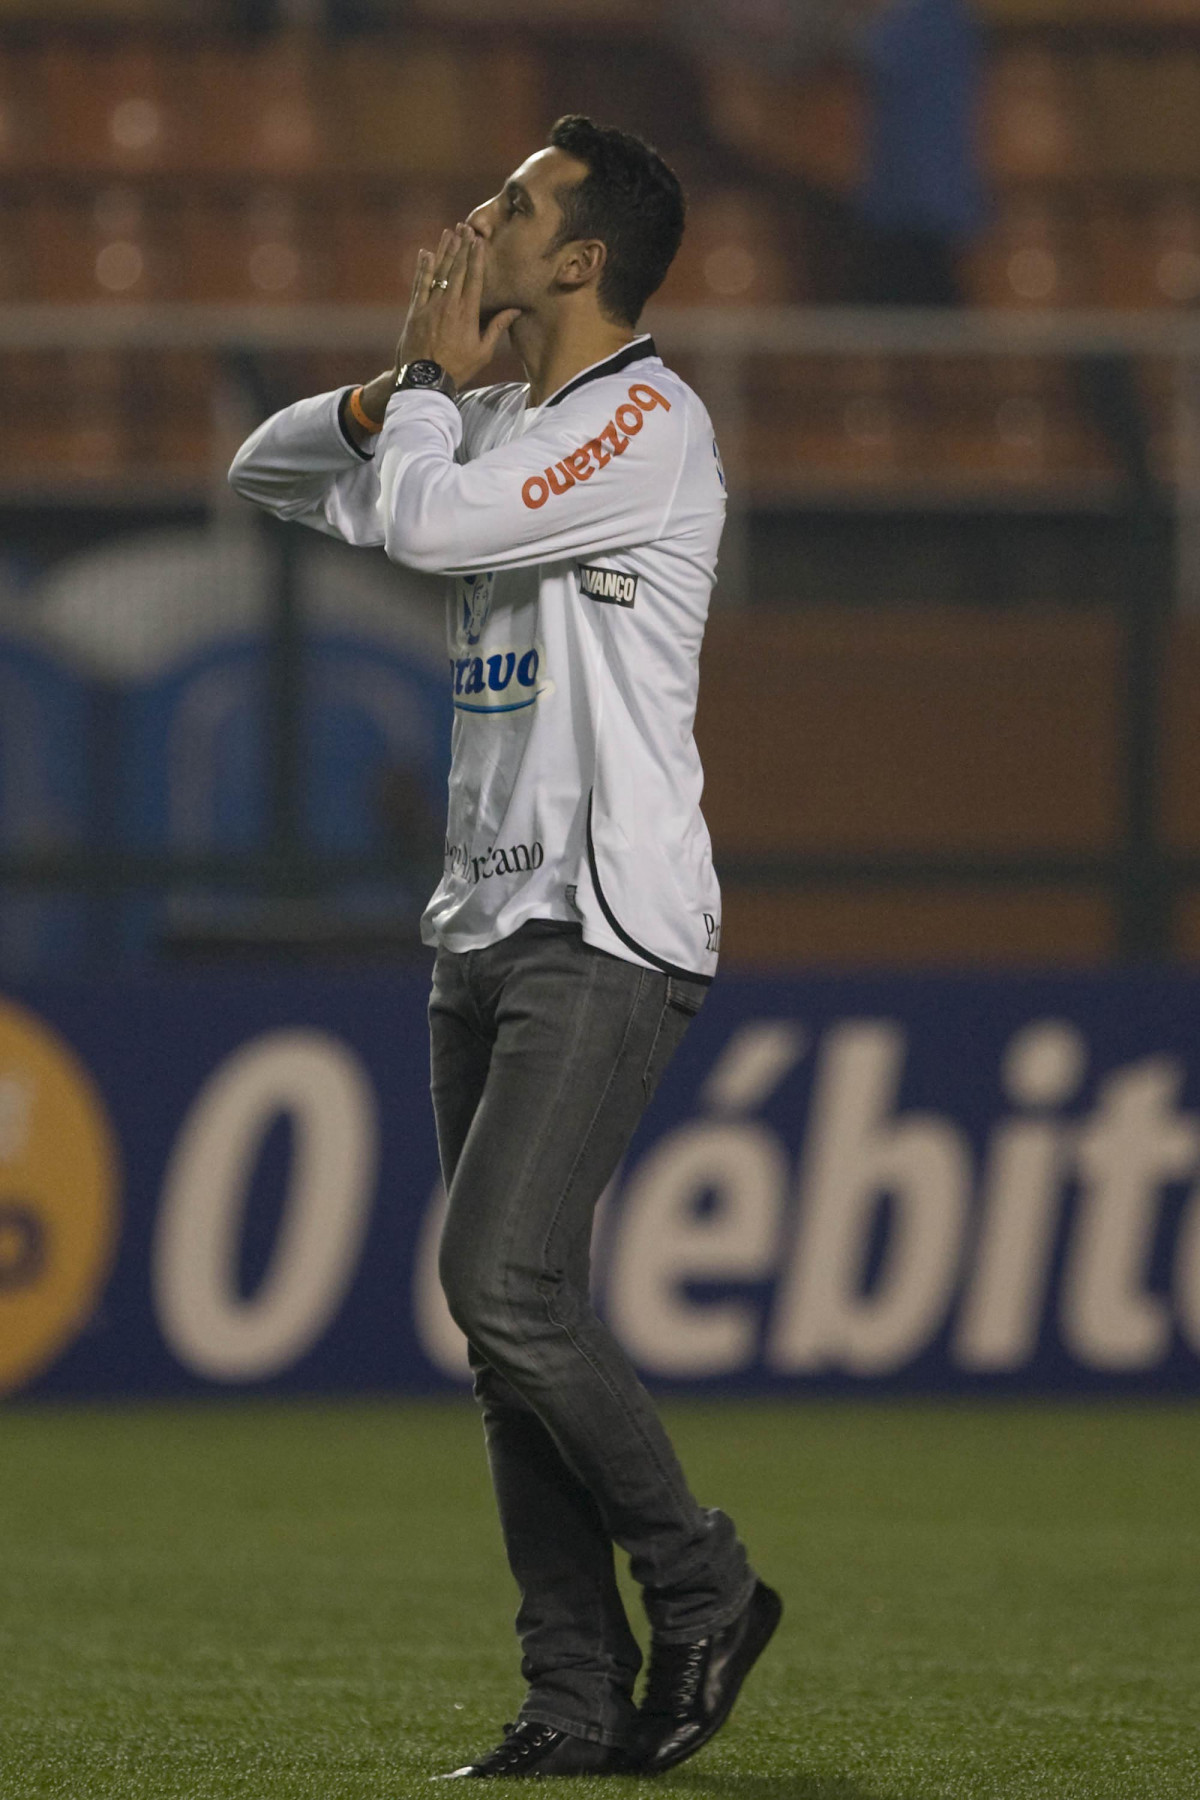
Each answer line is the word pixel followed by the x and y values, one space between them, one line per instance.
pixel 870 1184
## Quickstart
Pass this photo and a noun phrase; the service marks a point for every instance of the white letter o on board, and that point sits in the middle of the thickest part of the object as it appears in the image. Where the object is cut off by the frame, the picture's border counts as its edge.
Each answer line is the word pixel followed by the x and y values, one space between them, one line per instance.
pixel 210 1327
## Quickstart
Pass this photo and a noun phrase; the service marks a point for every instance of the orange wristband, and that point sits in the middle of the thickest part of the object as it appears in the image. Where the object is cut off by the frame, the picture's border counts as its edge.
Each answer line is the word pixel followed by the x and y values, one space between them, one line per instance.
pixel 359 416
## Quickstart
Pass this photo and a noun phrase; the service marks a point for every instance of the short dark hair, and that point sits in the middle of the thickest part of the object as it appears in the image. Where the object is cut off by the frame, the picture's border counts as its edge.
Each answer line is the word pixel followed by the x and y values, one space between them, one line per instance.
pixel 631 201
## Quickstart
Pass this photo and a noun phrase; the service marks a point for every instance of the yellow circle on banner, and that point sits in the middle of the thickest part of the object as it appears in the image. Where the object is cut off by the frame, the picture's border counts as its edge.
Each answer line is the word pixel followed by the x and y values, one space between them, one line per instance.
pixel 59 1210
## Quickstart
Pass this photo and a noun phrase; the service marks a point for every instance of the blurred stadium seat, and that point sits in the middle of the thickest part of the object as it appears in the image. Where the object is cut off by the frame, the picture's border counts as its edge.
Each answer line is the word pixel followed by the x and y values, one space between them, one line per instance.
pixel 1013 420
pixel 1034 255
pixel 833 419
pixel 259 108
pixel 113 105
pixel 405 107
pixel 1033 118
pixel 1148 255
pixel 808 125
pixel 116 243
pixel 266 245
pixel 734 253
pixel 1145 109
pixel 944 426
pixel 374 238
pixel 19 122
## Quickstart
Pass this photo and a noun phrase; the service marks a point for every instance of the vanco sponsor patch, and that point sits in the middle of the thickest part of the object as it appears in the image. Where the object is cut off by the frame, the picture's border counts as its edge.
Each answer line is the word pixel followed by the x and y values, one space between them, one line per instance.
pixel 608 584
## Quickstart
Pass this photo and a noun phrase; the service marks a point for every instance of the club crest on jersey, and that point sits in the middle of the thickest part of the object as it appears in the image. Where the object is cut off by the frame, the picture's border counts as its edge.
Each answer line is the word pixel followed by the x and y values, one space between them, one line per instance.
pixel 475 595
pixel 503 681
pixel 613 585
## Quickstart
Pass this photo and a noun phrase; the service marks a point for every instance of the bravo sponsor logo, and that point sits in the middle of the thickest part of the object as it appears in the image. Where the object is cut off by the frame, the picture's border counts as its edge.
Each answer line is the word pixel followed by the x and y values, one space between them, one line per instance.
pixel 879 1241
pixel 500 682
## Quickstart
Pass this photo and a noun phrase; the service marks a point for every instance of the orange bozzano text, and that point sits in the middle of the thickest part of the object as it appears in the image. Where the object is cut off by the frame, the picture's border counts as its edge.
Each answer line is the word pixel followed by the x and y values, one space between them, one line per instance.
pixel 583 463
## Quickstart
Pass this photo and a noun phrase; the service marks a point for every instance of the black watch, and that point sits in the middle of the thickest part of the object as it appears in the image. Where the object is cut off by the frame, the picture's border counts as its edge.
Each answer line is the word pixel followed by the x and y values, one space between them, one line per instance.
pixel 427 376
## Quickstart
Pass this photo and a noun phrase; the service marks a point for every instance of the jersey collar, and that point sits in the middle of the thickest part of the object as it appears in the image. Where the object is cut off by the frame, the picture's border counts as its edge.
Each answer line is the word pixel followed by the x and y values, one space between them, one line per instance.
pixel 637 351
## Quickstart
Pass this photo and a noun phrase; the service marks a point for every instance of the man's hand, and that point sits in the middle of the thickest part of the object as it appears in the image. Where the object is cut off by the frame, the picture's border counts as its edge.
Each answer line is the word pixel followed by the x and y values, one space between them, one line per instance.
pixel 443 318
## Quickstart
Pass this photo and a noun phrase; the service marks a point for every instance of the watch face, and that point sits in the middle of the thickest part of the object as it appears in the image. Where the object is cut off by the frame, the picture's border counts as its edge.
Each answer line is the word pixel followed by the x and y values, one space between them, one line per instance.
pixel 423 374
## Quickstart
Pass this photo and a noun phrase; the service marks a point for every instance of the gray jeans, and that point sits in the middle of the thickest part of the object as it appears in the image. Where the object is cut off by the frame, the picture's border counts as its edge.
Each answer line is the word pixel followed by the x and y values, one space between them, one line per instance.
pixel 545 1052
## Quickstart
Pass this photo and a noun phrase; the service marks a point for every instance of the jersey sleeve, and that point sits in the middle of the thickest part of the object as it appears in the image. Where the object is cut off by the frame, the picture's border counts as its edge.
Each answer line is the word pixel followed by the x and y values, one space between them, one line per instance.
pixel 598 472
pixel 299 465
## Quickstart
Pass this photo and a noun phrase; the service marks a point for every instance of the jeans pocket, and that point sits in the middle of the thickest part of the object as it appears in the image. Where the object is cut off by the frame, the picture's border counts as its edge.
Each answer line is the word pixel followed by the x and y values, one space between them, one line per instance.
pixel 681 1002
pixel 686 996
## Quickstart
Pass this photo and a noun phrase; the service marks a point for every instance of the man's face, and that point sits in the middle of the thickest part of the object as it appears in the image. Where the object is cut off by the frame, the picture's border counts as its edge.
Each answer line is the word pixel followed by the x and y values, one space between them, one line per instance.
pixel 518 226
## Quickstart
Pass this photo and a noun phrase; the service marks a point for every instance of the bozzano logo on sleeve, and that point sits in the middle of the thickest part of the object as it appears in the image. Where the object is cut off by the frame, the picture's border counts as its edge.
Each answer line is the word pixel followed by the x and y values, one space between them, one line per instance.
pixel 585 462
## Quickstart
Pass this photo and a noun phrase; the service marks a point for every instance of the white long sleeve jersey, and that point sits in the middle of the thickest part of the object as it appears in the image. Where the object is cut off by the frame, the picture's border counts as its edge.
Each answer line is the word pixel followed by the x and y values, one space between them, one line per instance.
pixel 581 538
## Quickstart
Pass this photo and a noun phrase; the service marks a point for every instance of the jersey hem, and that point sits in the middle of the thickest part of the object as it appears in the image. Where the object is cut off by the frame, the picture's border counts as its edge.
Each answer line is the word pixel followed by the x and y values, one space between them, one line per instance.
pixel 483 940
pixel 602 940
pixel 649 957
pixel 593 934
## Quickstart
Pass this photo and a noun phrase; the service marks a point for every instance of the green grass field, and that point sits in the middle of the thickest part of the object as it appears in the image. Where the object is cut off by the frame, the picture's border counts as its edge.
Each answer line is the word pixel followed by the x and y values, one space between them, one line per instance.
pixel 310 1601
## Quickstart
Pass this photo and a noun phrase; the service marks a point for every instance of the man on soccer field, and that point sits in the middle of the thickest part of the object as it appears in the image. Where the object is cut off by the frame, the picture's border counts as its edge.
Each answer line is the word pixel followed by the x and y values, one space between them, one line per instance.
pixel 577 923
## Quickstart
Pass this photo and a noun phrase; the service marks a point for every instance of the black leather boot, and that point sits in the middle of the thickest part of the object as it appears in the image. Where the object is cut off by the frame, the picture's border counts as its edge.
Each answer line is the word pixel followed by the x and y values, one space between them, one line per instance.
pixel 691 1688
pixel 531 1751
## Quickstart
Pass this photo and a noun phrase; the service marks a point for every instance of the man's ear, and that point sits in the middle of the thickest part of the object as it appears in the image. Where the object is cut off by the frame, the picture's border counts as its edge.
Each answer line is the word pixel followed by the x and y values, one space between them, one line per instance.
pixel 582 263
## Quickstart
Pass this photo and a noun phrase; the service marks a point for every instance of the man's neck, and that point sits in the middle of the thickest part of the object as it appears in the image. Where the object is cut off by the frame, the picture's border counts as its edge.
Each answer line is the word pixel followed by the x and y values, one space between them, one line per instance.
pixel 554 353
